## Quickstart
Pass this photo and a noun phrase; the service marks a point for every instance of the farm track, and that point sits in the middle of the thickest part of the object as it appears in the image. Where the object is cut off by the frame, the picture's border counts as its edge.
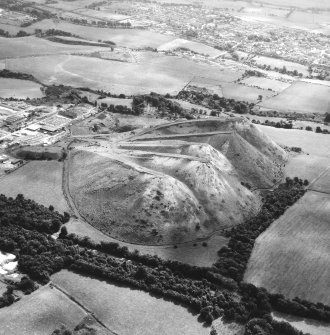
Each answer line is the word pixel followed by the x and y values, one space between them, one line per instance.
pixel 74 300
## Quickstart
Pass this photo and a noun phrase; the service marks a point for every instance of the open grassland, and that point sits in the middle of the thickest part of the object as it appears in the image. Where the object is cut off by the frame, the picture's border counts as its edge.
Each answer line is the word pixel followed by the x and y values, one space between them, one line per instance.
pixel 299 3
pixel 40 181
pixel 66 5
pixel 301 97
pixel 322 184
pixel 307 326
pixel 244 93
pixel 33 46
pixel 307 167
pixel 292 256
pixel 132 38
pixel 164 74
pixel 19 89
pixel 191 253
pixel 129 312
pixel 310 142
pixel 280 63
pixel 40 313
pixel 265 83
pixel 193 46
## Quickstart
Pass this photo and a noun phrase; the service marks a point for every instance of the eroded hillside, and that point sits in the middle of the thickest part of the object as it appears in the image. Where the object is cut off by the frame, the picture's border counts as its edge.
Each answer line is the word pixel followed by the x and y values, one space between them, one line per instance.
pixel 176 182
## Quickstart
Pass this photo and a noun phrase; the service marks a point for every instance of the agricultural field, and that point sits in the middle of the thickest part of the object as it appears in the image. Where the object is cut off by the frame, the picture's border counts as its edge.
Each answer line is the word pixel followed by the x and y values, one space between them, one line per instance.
pixel 300 3
pixel 165 74
pixel 193 46
pixel 307 326
pixel 129 312
pixel 40 313
pixel 322 184
pixel 244 93
pixel 280 63
pixel 40 181
pixel 310 142
pixel 265 83
pixel 301 97
pixel 291 257
pixel 33 46
pixel 132 38
pixel 19 89
pixel 307 167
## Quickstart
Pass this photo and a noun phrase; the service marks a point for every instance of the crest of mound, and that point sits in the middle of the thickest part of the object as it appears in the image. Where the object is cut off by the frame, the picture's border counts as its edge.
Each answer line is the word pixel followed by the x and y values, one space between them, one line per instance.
pixel 174 183
pixel 256 158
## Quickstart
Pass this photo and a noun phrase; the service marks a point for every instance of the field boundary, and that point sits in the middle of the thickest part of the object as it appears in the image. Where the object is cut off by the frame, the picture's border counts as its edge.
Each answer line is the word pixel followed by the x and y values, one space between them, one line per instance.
pixel 73 299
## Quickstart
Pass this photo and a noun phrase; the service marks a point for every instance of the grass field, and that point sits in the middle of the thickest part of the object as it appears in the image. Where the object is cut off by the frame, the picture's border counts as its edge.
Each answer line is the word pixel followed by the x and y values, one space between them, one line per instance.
pixel 127 311
pixel 20 89
pixel 187 253
pixel 311 143
pixel 40 313
pixel 265 83
pixel 132 38
pixel 322 184
pixel 275 62
pixel 33 46
pixel 164 74
pixel 307 326
pixel 244 93
pixel 301 97
pixel 292 256
pixel 193 46
pixel 38 180
pixel 306 166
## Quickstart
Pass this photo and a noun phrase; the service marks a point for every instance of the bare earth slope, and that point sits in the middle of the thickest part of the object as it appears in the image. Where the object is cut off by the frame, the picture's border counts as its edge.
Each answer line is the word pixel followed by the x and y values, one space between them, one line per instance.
pixel 162 189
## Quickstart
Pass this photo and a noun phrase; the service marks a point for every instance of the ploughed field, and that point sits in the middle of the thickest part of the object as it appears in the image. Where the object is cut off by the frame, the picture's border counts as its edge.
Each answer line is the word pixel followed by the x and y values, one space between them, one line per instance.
pixel 292 256
pixel 176 182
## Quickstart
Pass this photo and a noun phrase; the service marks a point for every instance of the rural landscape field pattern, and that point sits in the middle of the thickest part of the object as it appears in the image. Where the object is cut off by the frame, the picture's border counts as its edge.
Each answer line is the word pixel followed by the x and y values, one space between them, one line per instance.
pixel 165 167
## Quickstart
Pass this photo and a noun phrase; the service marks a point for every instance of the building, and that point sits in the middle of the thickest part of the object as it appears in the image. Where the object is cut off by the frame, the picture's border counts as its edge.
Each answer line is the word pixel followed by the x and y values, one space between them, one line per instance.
pixel 17 162
pixel 33 127
pixel 14 119
pixel 68 113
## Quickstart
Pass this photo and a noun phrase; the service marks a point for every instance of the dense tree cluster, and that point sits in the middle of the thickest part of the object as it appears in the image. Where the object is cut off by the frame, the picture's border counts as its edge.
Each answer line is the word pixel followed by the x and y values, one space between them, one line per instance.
pixel 25 213
pixel 17 75
pixel 253 73
pixel 163 105
pixel 279 124
pixel 5 33
pixel 213 101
